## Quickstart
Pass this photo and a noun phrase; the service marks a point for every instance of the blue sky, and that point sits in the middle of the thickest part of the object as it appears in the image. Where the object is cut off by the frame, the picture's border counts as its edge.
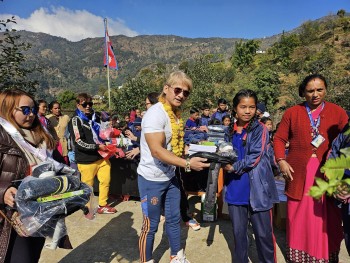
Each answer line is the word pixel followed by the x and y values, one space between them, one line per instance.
pixel 78 19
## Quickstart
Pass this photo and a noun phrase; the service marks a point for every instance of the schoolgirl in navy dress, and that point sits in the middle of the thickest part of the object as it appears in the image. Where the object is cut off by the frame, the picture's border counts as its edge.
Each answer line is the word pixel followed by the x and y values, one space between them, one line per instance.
pixel 250 186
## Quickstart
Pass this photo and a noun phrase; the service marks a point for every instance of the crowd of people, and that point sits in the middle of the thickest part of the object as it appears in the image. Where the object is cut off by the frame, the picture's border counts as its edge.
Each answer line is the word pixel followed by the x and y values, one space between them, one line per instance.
pixel 307 135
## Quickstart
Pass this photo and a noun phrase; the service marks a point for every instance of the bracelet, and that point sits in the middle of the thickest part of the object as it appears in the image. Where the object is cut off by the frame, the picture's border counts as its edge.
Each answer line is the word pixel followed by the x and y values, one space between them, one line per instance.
pixel 188 165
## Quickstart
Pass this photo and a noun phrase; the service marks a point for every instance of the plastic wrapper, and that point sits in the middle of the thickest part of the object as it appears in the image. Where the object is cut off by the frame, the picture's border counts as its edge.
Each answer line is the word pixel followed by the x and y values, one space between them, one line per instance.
pixel 107 132
pixel 45 198
pixel 112 150
pixel 225 155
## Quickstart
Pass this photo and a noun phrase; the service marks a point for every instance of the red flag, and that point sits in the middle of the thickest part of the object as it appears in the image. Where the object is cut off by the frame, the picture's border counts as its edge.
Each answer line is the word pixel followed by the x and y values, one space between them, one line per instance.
pixel 112 61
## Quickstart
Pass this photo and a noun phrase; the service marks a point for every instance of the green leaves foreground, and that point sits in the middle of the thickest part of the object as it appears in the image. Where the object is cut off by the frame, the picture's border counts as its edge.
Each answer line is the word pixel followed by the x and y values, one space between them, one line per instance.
pixel 334 171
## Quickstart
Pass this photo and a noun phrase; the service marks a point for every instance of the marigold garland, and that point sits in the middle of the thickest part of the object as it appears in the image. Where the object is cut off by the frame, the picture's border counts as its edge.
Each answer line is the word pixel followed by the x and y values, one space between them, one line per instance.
pixel 177 128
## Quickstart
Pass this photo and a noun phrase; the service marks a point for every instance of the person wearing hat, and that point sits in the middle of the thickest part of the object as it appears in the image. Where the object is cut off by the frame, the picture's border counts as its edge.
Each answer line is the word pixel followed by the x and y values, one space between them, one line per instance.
pixel 260 110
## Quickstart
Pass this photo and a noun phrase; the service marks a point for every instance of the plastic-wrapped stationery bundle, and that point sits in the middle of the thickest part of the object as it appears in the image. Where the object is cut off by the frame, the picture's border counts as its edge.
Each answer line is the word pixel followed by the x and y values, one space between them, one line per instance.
pixel 216 133
pixel 44 198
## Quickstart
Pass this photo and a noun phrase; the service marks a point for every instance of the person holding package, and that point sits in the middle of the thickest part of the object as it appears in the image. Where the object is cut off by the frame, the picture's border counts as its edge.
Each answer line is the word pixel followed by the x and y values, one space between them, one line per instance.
pixel 161 149
pixel 20 127
pixel 310 128
pixel 84 130
pixel 250 186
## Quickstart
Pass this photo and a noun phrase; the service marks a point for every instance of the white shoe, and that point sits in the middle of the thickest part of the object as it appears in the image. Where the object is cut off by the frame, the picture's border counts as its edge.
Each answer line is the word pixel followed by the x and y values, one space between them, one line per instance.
pixel 180 257
pixel 150 261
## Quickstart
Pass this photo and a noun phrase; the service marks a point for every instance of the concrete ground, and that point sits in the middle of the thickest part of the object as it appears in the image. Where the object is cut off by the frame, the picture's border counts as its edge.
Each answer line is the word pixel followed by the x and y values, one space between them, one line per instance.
pixel 114 238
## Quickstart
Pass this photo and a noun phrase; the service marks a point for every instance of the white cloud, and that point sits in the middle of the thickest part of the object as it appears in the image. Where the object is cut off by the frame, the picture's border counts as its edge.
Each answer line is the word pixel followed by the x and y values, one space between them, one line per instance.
pixel 72 25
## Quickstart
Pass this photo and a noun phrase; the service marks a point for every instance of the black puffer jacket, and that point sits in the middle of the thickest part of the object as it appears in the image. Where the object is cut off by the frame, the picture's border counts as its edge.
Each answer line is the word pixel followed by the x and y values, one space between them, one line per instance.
pixel 13 166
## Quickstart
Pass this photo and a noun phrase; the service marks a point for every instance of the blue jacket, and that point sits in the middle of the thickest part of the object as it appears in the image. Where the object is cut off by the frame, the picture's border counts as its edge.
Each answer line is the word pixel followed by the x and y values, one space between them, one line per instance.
pixel 219 115
pixel 342 141
pixel 257 162
pixel 204 120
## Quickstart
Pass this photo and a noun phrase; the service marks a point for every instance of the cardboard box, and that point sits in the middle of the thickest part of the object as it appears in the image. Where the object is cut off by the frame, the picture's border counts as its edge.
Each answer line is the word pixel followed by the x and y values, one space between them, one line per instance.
pixel 280 215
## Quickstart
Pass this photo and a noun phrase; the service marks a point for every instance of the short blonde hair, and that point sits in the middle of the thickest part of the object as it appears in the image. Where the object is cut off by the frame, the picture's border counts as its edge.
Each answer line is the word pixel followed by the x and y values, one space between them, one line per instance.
pixel 178 77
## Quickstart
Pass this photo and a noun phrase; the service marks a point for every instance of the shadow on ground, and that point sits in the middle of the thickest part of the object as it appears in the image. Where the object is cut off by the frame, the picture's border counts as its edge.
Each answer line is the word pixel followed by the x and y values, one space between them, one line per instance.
pixel 111 241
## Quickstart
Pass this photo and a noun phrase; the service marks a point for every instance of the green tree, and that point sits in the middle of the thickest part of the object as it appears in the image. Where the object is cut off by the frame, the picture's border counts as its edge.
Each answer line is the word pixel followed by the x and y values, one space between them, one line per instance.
pixel 67 99
pixel 281 51
pixel 203 76
pixel 134 92
pixel 309 32
pixel 341 13
pixel 13 72
pixel 267 87
pixel 322 60
pixel 244 53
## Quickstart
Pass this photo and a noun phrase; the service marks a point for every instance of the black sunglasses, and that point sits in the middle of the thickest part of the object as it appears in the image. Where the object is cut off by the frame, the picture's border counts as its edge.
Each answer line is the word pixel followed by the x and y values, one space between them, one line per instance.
pixel 178 90
pixel 26 110
pixel 87 103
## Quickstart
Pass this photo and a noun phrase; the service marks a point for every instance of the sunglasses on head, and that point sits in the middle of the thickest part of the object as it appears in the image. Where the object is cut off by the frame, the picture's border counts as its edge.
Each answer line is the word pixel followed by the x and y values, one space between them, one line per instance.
pixel 26 110
pixel 178 90
pixel 87 103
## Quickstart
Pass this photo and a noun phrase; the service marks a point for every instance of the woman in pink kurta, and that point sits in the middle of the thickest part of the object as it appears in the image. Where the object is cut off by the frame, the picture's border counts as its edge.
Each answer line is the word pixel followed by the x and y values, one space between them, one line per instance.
pixel 314 230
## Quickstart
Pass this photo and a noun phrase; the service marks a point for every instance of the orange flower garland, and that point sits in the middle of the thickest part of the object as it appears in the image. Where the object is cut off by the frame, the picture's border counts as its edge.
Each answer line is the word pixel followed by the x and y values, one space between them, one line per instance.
pixel 177 128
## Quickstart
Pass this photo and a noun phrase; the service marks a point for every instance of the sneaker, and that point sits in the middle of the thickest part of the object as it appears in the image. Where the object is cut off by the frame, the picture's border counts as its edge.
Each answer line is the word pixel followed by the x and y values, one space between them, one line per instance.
pixel 106 210
pixel 180 257
pixel 193 224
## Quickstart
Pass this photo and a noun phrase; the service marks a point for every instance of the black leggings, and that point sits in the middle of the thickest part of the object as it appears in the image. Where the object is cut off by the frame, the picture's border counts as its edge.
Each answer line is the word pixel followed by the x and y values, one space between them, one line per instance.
pixel 24 249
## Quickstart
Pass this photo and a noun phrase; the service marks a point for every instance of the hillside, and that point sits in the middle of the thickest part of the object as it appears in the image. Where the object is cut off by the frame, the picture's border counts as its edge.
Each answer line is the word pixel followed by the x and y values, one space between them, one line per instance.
pixel 78 66
pixel 315 46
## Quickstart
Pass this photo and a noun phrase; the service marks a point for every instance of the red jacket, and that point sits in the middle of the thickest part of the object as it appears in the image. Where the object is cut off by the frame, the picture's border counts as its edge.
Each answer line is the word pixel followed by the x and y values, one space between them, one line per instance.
pixel 295 128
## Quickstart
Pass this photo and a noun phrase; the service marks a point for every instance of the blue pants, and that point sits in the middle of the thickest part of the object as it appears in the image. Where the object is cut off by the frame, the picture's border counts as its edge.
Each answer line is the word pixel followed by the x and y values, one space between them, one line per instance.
pixel 262 228
pixel 153 195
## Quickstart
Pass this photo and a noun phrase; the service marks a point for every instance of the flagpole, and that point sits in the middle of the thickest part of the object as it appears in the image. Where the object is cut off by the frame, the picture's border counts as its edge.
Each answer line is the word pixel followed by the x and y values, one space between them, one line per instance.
pixel 107 61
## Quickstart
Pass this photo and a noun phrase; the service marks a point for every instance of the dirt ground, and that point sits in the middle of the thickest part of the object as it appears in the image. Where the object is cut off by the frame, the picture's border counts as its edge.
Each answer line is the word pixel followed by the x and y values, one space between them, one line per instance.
pixel 114 238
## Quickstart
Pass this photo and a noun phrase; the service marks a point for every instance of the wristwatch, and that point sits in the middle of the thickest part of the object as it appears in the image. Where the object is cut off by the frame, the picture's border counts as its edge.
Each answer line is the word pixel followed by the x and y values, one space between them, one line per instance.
pixel 188 166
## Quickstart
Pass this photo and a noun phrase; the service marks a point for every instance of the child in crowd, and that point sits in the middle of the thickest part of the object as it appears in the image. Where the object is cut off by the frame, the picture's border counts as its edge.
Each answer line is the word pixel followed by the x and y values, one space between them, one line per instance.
pixel 205 118
pixel 226 120
pixel 269 125
pixel 221 111
pixel 192 121
pixel 250 186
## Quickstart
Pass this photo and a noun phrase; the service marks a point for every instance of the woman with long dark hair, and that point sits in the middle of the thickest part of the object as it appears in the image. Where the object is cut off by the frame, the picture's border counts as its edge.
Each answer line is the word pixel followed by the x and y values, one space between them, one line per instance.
pixel 19 127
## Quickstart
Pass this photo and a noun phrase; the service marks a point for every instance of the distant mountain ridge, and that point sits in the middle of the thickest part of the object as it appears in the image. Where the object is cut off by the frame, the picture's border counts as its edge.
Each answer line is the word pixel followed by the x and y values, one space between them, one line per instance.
pixel 78 66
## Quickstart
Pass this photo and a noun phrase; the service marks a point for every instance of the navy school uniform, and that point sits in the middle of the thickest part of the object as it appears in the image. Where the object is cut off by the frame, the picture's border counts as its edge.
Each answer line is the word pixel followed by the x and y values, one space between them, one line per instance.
pixel 251 190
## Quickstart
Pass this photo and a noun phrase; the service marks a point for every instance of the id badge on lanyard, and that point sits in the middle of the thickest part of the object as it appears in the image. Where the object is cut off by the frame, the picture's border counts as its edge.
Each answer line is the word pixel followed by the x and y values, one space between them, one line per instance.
pixel 317 139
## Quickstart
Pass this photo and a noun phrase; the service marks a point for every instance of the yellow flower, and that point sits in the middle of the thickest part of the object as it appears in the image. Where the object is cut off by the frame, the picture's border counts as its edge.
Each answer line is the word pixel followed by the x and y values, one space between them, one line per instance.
pixel 177 128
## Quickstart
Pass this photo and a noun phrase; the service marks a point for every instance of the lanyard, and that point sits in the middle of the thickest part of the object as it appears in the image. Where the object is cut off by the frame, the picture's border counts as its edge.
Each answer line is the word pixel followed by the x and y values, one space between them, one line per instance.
pixel 314 125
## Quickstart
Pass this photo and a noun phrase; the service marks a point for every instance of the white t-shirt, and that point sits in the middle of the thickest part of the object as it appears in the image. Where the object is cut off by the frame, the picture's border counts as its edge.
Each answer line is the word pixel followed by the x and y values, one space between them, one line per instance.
pixel 155 120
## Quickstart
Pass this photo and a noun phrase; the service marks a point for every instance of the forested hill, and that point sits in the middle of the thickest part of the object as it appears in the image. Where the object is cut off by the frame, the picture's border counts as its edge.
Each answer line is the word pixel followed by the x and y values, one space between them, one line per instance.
pixel 78 66
pixel 219 67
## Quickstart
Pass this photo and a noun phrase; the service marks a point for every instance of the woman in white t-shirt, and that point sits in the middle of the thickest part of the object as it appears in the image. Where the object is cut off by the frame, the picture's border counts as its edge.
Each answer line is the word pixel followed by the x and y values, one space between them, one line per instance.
pixel 161 150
